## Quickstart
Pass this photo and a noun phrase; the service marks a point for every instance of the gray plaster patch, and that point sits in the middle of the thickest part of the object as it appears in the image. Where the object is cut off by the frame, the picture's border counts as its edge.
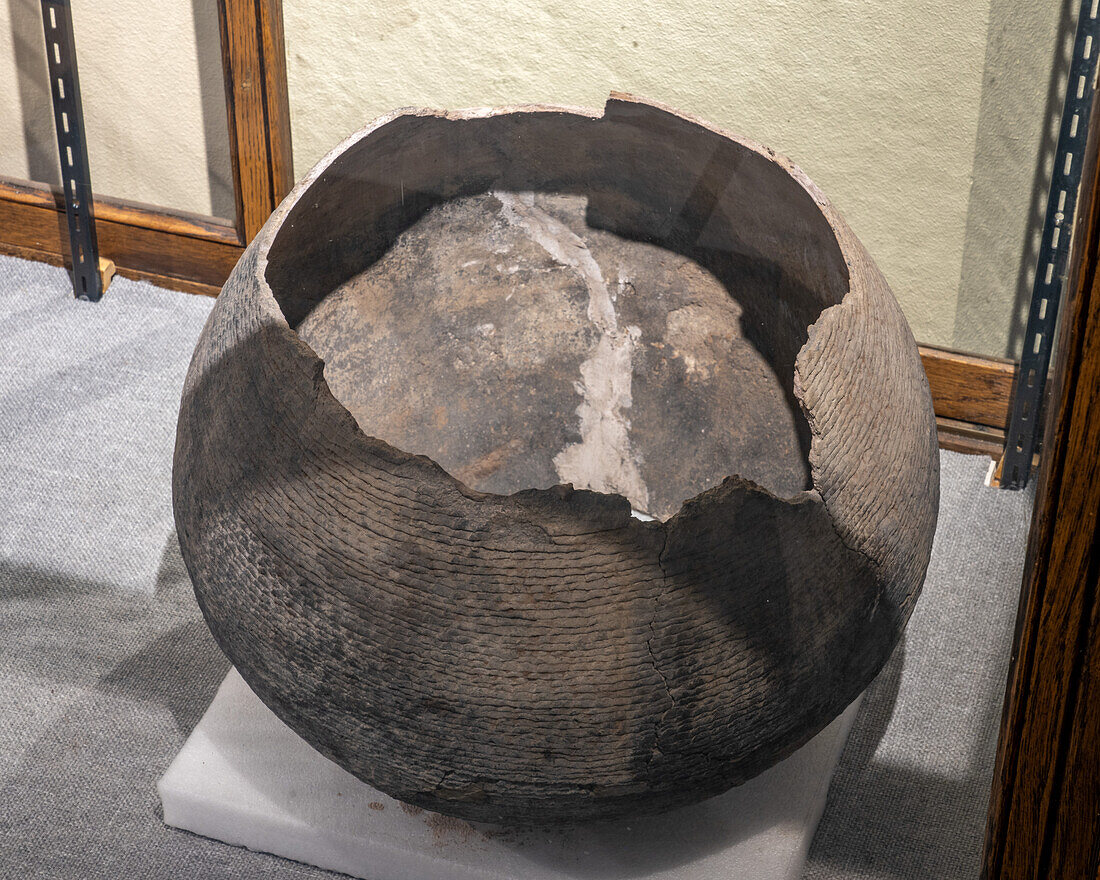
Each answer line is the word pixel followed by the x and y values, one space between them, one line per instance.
pixel 603 459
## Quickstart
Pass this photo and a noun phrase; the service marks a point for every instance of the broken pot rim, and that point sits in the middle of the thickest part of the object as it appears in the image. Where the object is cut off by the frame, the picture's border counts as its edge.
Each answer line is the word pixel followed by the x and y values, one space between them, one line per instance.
pixel 732 482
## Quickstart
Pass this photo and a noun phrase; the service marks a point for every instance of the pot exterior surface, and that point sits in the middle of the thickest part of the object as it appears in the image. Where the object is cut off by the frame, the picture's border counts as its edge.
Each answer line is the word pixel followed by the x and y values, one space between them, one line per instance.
pixel 544 656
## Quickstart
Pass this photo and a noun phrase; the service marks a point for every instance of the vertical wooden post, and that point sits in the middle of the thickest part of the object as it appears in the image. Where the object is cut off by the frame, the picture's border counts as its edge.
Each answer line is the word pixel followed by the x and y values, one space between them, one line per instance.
pixel 1044 816
pixel 254 62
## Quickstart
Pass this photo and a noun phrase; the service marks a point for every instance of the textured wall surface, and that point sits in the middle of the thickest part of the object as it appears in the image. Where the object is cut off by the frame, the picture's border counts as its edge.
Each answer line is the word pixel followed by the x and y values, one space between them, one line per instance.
pixel 154 107
pixel 1027 51
pixel 921 121
pixel 925 122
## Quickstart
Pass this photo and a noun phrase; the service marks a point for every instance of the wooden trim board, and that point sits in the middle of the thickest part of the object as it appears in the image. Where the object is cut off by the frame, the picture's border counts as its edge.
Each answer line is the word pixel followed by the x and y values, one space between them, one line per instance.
pixel 177 250
pixel 258 107
pixel 968 387
pixel 1045 801
pixel 972 396
pixel 963 436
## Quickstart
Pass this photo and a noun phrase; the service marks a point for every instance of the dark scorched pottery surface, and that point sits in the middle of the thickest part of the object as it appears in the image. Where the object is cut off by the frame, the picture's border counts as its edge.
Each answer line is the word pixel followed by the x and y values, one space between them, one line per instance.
pixel 437 383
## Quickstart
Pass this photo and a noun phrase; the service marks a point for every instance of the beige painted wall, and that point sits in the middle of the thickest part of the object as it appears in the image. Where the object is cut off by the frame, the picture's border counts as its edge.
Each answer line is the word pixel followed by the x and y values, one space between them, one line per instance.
pixel 920 120
pixel 154 106
pixel 923 121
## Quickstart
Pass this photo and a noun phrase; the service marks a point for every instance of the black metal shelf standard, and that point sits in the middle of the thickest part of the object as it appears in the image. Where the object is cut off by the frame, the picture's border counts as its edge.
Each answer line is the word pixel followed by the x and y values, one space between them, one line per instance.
pixel 72 147
pixel 1025 425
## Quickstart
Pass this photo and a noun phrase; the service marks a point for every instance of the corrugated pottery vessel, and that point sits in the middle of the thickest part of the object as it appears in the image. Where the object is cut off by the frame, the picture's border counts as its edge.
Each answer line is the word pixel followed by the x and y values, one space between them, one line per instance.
pixel 538 465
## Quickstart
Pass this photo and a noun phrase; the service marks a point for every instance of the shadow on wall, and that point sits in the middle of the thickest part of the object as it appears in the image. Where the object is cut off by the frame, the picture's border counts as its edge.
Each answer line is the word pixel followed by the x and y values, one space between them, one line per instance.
pixel 35 100
pixel 1013 159
pixel 215 122
pixel 29 44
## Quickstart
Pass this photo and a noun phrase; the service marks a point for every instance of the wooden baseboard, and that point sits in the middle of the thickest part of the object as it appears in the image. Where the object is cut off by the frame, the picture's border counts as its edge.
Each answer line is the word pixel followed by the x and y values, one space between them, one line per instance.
pixel 968 387
pixel 972 395
pixel 173 249
pixel 165 281
pixel 960 436
pixel 171 283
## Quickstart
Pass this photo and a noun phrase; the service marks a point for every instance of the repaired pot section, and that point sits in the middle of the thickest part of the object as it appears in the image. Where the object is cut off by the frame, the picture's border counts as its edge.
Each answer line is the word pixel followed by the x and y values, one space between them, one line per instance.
pixel 452 314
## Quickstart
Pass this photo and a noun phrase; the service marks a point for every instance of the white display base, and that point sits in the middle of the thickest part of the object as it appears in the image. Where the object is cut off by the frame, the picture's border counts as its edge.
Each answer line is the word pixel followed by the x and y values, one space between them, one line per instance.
pixel 245 778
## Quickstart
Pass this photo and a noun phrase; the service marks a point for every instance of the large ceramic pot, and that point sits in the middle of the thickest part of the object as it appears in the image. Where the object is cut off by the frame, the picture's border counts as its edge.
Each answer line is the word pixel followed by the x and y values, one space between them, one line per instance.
pixel 539 464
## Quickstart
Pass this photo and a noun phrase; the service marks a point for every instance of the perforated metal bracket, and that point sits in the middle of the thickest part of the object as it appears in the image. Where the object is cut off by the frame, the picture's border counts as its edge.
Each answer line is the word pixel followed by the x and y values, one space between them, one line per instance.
pixel 72 148
pixel 1025 426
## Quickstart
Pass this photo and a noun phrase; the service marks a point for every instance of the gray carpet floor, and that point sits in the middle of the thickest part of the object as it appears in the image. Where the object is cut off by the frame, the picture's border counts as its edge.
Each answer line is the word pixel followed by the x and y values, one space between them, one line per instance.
pixel 910 794
pixel 106 664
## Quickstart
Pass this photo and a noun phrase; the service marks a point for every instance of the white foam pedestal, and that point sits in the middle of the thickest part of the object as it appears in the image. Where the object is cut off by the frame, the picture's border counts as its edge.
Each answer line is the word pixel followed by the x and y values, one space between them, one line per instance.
pixel 245 778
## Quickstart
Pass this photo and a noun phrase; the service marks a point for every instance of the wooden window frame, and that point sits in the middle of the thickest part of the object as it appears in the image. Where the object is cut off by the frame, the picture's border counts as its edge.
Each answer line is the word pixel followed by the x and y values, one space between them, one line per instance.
pixel 174 249
pixel 1044 810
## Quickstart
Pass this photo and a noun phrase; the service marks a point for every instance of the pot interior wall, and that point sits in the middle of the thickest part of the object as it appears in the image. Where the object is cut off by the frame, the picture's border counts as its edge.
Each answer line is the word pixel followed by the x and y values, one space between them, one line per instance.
pixel 555 298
